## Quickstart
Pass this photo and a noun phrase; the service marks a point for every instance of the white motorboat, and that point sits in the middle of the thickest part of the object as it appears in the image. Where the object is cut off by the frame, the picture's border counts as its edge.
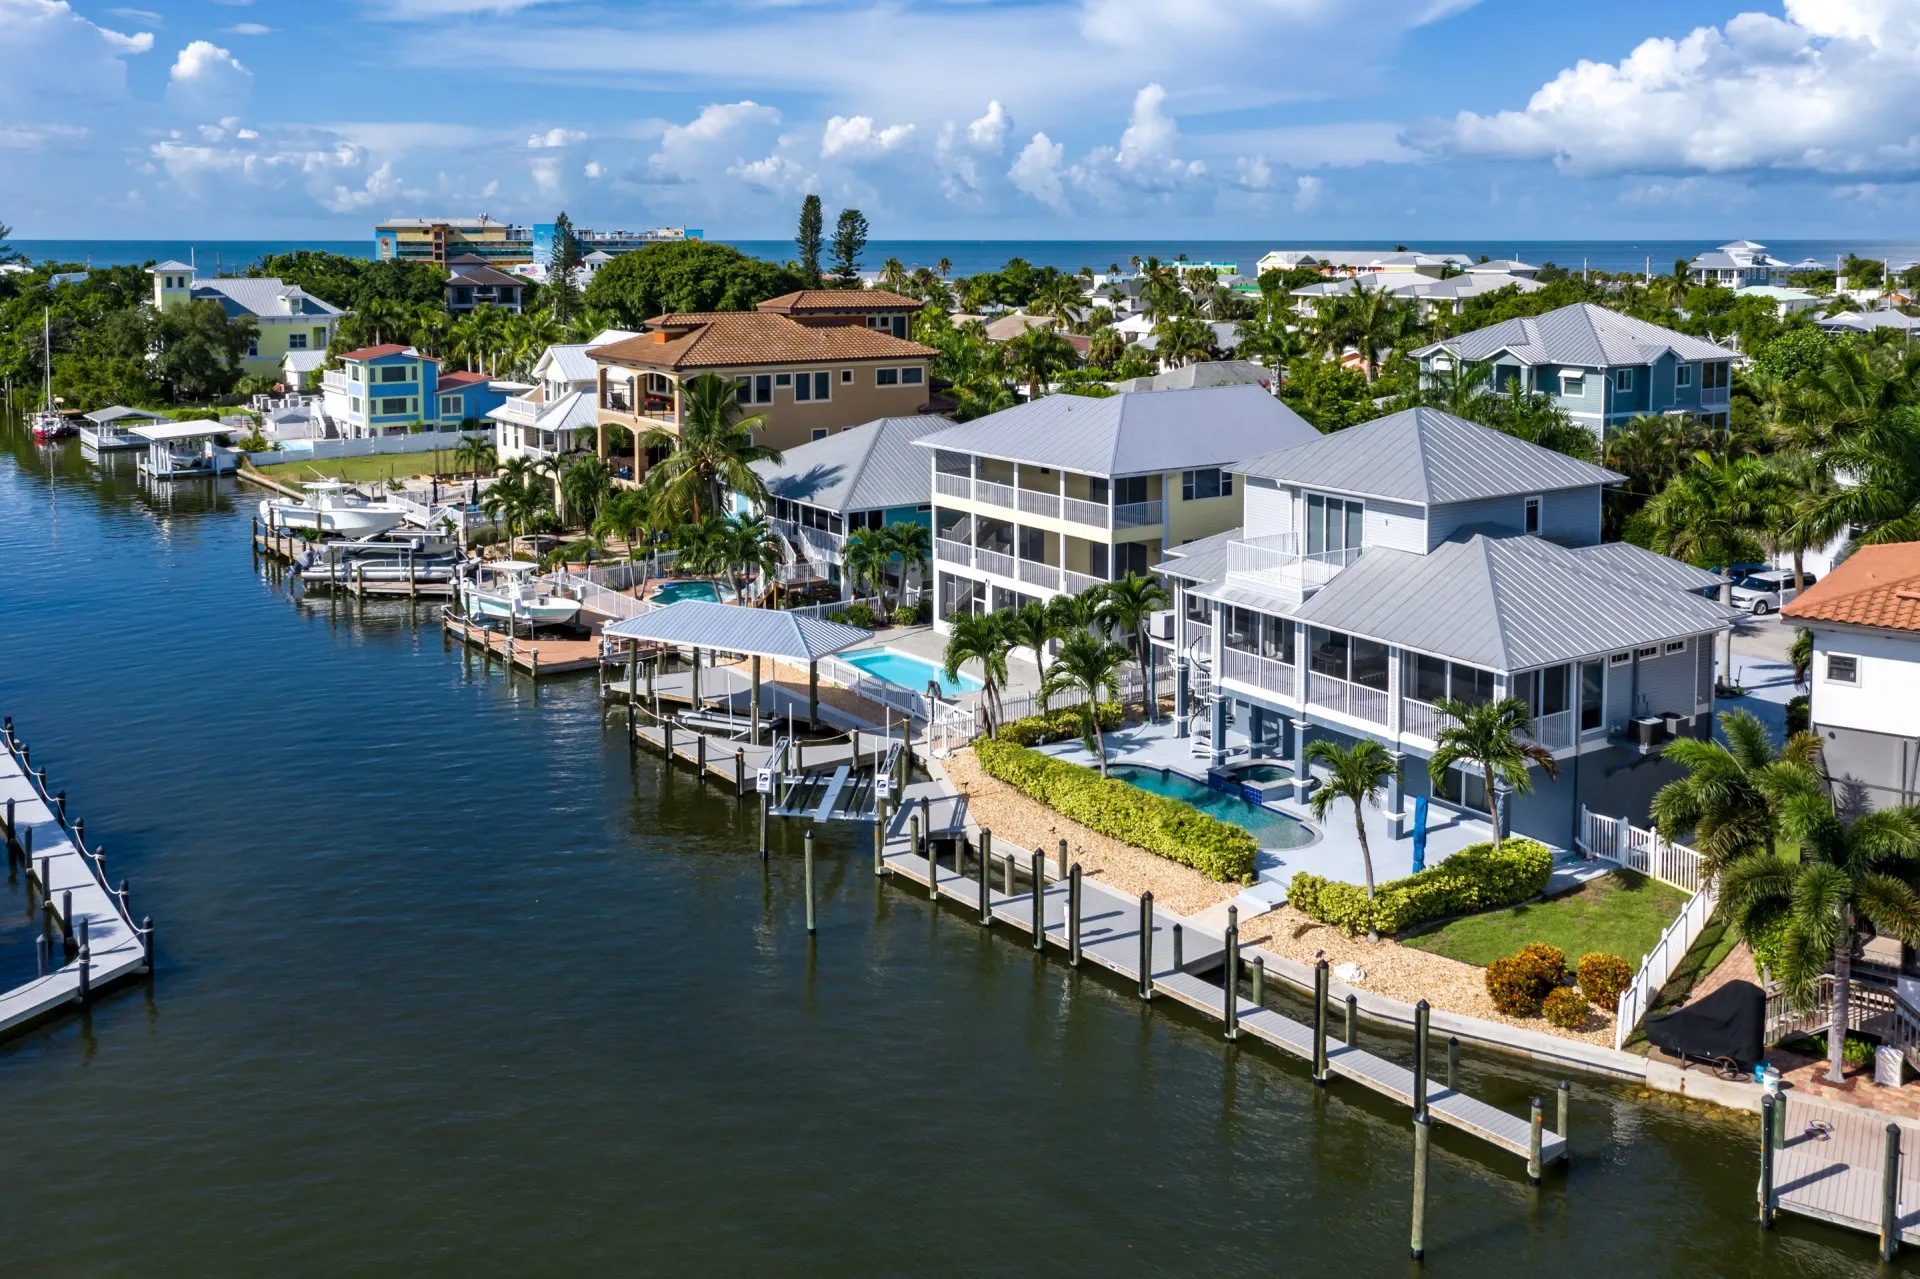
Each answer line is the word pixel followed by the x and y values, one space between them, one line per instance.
pixel 331 506
pixel 511 591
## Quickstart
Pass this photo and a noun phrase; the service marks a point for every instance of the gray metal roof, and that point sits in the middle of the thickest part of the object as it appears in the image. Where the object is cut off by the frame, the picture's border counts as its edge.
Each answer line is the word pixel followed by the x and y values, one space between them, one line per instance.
pixel 268 297
pixel 1648 566
pixel 1202 560
pixel 1134 432
pixel 121 413
pixel 1201 374
pixel 1866 321
pixel 567 363
pixel 1506 604
pixel 1426 456
pixel 862 468
pixel 1581 334
pixel 730 628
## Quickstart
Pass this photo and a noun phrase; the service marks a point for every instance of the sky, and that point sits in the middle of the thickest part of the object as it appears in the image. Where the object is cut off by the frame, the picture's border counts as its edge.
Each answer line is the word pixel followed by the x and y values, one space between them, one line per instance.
pixel 1289 120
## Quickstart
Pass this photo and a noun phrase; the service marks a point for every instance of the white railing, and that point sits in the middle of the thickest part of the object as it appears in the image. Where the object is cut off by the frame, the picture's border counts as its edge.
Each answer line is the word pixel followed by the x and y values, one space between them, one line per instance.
pixel 993 494
pixel 1081 511
pixel 953 552
pixel 861 684
pixel 1074 583
pixel 1658 964
pixel 1345 697
pixel 949 485
pixel 993 561
pixel 1272 565
pixel 1266 673
pixel 1618 840
pixel 1035 503
pixel 518 410
pixel 822 611
pixel 601 599
pixel 1422 719
pixel 1137 514
pixel 1555 731
pixel 1039 574
pixel 1200 633
pixel 1132 689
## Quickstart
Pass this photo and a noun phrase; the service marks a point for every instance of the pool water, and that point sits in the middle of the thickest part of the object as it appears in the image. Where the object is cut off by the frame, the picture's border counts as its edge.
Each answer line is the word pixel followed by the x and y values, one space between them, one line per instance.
pixel 1263 773
pixel 1273 830
pixel 674 592
pixel 907 671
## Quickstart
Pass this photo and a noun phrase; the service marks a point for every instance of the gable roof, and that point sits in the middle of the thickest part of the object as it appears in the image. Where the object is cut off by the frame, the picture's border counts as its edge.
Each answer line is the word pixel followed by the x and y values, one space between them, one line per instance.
pixel 837 302
pixel 1134 432
pixel 767 632
pixel 1201 373
pixel 458 381
pixel 724 339
pixel 267 296
pixel 1429 457
pixel 121 413
pixel 1581 334
pixel 479 273
pixel 568 362
pixel 1505 603
pixel 1874 586
pixel 380 352
pixel 862 468
pixel 171 264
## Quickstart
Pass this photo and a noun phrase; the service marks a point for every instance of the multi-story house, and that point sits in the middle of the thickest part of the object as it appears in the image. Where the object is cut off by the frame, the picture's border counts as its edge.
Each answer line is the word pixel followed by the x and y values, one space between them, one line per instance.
pixel 1865 619
pixel 1739 265
pixel 393 389
pixel 867 476
pixel 560 413
pixel 1063 492
pixel 472 283
pixel 287 317
pixel 808 363
pixel 1600 366
pixel 1418 557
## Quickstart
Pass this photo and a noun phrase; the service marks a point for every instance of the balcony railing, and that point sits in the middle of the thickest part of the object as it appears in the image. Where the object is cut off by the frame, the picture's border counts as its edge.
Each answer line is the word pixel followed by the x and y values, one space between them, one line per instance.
pixel 1073 583
pixel 1037 503
pixel 949 485
pixel 1038 574
pixel 616 401
pixel 1273 564
pixel 1422 719
pixel 993 561
pixel 953 552
pixel 821 547
pixel 1266 673
pixel 1080 511
pixel 993 494
pixel 1200 635
pixel 523 412
pixel 1555 731
pixel 1138 514
pixel 1344 697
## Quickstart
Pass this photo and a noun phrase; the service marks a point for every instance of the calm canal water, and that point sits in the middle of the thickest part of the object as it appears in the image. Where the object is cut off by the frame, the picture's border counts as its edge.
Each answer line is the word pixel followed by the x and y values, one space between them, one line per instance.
pixel 451 985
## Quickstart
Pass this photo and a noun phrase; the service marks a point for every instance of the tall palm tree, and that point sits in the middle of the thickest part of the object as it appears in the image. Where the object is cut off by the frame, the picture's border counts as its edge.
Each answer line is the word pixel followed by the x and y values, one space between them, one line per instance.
pixel 1039 355
pixel 704 546
pixel 551 469
pixel 1709 514
pixel 753 550
pixel 1105 348
pixel 865 557
pixel 1882 461
pixel 944 267
pixel 1091 666
pixel 1058 298
pixel 913 543
pixel 1356 774
pixel 1182 339
pixel 1848 872
pixel 893 275
pixel 1031 627
pixel 980 637
pixel 712 452
pixel 625 514
pixel 1496 738
pixel 474 454
pixel 1127 605
pixel 1726 800
pixel 585 485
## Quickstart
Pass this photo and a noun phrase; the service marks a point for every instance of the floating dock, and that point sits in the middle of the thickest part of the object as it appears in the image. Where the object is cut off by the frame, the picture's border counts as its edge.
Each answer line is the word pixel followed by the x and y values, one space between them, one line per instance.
pixel 1848 1167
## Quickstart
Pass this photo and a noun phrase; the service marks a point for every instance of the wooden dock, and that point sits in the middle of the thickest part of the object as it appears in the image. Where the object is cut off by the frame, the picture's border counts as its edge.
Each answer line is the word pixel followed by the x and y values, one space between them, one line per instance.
pixel 536 658
pixel 1110 936
pixel 75 902
pixel 1832 1164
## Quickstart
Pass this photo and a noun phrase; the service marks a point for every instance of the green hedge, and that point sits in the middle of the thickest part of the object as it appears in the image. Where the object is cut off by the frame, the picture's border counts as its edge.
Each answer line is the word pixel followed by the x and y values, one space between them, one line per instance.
pixel 1473 879
pixel 1175 830
pixel 1062 725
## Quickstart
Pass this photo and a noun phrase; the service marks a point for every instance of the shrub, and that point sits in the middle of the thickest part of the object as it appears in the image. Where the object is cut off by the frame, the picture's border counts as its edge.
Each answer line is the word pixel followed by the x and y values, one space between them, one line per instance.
pixel 861 615
pixel 1548 963
pixel 837 617
pixel 1512 988
pixel 1565 1007
pixel 1799 714
pixel 1474 879
pixel 918 613
pixel 1062 725
pixel 1172 829
pixel 1603 978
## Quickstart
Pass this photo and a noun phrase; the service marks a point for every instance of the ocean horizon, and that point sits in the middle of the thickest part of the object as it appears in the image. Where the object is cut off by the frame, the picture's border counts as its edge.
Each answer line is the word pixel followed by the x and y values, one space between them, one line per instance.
pixel 970 256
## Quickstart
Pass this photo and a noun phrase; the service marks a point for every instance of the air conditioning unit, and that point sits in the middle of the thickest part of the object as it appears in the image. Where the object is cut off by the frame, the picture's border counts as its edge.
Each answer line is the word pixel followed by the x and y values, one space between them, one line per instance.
pixel 1160 625
pixel 1649 731
pixel 1676 724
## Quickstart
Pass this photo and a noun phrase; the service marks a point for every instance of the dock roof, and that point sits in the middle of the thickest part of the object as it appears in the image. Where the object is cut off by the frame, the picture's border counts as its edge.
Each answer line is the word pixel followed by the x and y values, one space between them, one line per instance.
pixel 731 628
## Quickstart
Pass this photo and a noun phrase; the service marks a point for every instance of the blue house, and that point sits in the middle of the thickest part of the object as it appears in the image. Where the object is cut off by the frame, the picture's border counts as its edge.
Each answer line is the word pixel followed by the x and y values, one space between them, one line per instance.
pixel 393 389
pixel 1602 367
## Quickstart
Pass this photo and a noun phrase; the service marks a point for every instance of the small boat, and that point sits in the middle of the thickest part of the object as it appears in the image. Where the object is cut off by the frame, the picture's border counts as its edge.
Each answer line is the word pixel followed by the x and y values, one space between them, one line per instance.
pixel 331 506
pixel 385 557
pixel 510 591
pixel 48 424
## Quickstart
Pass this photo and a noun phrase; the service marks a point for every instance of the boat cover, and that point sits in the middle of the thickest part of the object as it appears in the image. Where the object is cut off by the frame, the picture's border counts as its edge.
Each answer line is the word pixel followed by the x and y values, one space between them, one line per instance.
pixel 1730 1022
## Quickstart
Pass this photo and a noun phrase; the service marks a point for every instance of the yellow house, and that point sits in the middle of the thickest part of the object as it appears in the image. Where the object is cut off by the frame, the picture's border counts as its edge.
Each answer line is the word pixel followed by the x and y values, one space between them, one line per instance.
pixel 288 317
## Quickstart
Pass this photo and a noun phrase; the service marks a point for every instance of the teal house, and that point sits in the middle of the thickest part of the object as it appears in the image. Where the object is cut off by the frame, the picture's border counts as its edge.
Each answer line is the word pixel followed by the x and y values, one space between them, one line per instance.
pixel 394 389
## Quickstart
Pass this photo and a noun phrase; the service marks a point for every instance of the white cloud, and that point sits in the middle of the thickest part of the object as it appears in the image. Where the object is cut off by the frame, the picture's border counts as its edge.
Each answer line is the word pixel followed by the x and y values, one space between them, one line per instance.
pixel 1827 89
pixel 207 81
pixel 55 59
pixel 721 134
pixel 1037 170
pixel 138 15
pixel 546 176
pixel 1307 190
pixel 1114 178
pixel 855 137
pixel 288 174
pixel 989 132
pixel 774 173
pixel 556 137
pixel 594 171
pixel 250 29
pixel 1254 173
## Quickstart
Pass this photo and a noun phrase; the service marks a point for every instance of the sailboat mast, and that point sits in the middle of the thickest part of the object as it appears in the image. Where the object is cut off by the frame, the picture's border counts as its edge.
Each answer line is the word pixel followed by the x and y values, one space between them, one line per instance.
pixel 46 338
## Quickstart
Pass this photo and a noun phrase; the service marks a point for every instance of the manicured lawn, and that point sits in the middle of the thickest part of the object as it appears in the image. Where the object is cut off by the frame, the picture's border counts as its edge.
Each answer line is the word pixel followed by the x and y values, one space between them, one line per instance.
pixel 1621 914
pixel 356 470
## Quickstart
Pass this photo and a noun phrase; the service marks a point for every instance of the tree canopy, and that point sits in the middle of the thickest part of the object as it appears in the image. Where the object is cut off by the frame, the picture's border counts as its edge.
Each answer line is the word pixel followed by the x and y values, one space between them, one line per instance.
pixel 684 275
pixel 353 284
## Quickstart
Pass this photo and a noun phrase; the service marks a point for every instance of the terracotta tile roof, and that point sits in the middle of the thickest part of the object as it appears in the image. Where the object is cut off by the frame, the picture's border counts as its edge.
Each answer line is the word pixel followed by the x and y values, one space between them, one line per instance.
pixel 838 301
pixel 729 339
pixel 450 380
pixel 1875 586
pixel 375 352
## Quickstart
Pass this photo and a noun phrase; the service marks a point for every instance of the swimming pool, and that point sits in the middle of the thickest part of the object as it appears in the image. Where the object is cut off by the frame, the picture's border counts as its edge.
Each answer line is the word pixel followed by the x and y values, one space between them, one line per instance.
pixel 1273 830
pixel 1263 773
pixel 907 671
pixel 674 592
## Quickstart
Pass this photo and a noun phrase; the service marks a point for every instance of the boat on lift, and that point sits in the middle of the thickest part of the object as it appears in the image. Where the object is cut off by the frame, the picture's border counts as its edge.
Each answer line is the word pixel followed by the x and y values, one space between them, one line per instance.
pixel 331 506
pixel 394 556
pixel 511 591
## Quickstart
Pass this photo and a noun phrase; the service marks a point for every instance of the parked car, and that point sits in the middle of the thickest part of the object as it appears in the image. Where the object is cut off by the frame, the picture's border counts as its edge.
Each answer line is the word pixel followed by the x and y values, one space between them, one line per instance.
pixel 1763 593
pixel 1736 571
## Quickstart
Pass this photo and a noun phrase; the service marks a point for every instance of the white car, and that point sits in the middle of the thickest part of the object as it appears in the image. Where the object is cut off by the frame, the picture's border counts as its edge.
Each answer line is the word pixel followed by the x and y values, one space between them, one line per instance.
pixel 1763 593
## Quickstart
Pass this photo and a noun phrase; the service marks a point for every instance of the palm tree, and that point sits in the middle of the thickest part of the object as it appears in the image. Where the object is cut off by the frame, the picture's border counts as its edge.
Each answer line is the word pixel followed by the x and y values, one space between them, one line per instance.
pixel 913 543
pixel 551 468
pixel 1182 339
pixel 980 637
pixel 1847 872
pixel 474 454
pixel 1495 737
pixel 624 514
pixel 712 452
pixel 865 557
pixel 944 267
pixel 1882 459
pixel 752 550
pixel 704 546
pixel 1089 665
pixel 1355 774
pixel 1031 627
pixel 1127 605
pixel 1105 348
pixel 1800 653
pixel 893 275
pixel 1709 514
pixel 1726 800
pixel 1058 298
pixel 585 486
pixel 1039 354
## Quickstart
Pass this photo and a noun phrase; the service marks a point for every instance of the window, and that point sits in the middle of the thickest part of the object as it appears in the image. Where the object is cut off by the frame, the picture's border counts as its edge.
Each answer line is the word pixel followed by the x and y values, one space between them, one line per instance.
pixel 912 377
pixel 762 389
pixel 355 373
pixel 812 386
pixel 819 432
pixel 353 404
pixel 1713 377
pixel 1573 382
pixel 1429 678
pixel 1209 482
pixel 886 377
pixel 1466 787
pixel 1327 652
pixel 1531 522
pixel 393 407
pixel 846 375
pixel 319 337
pixel 296 341
pixel 449 406
pixel 1592 687
pixel 253 346
pixel 783 379
pixel 1333 526
pixel 395 373
pixel 1129 491
pixel 1842 670
pixel 1683 375
pixel 753 390
pixel 1676 646
pixel 1620 659
pixel 1650 651
pixel 1623 379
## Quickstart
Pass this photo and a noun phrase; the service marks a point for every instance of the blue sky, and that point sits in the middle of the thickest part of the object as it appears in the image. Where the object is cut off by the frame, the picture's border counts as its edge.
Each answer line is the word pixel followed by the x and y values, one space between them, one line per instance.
pixel 1282 119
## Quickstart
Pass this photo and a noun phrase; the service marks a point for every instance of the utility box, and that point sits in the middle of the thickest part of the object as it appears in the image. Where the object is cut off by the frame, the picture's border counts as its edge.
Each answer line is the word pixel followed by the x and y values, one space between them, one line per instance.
pixel 1887 1061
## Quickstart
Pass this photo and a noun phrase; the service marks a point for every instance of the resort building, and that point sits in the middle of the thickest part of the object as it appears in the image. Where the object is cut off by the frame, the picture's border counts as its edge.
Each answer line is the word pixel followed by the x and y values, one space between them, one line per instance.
pixel 472 283
pixel 1865 619
pixel 809 363
pixel 867 476
pixel 1064 492
pixel 1600 366
pixel 289 319
pixel 393 389
pixel 1739 265
pixel 1418 557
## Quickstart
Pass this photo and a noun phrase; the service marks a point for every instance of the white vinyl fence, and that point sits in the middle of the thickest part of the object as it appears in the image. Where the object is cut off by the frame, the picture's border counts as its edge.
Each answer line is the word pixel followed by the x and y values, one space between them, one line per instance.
pixel 372 446
pixel 1616 840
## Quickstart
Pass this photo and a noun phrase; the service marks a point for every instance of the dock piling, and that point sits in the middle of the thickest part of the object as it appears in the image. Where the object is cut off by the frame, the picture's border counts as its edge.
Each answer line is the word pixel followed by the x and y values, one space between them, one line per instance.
pixel 1038 867
pixel 80 833
pixel 10 828
pixel 1564 1111
pixel 146 941
pixel 43 954
pixel 879 838
pixel 809 874
pixel 765 801
pixel 740 773
pixel 1061 863
pixel 86 977
pixel 1179 948
pixel 700 755
pixel 1453 1062
pixel 1352 1035
pixel 1421 1042
pixel 986 889
pixel 66 916
pixel 1890 1195
pixel 1232 984
pixel 1073 916
pixel 59 799
pixel 1536 1122
pixel 1769 1106
pixel 1006 874
pixel 1146 945
pixel 26 848
pixel 1320 1023
pixel 1422 1140
pixel 1259 981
